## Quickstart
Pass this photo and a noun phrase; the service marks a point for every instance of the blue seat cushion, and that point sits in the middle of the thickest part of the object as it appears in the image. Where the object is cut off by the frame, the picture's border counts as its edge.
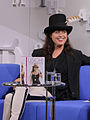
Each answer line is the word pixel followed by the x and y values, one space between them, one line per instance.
pixel 66 110
pixel 30 111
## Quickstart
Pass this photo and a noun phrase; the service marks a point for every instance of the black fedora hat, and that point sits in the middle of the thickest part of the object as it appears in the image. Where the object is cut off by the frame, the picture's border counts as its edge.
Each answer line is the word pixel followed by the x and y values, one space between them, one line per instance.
pixel 57 22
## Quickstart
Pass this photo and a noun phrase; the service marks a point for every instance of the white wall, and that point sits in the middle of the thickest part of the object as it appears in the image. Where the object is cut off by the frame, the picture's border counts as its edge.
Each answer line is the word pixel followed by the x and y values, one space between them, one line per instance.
pixel 22 23
pixel 25 23
pixel 80 38
pixel 14 24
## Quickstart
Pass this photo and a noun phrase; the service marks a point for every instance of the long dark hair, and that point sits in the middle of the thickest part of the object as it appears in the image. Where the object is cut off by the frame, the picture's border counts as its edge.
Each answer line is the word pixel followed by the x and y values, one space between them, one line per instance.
pixel 49 47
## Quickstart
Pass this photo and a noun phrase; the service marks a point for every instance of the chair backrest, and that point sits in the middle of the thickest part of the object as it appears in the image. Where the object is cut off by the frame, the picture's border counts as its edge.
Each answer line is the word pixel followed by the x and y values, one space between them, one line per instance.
pixel 84 82
pixel 8 73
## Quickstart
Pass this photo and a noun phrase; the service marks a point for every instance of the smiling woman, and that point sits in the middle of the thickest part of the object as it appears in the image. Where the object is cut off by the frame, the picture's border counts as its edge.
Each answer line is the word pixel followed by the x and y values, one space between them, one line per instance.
pixel 61 58
pixel 35 74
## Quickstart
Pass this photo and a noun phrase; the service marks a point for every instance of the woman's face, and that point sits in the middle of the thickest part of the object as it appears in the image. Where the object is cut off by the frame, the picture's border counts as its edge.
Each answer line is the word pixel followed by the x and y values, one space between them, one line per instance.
pixel 59 37
pixel 35 68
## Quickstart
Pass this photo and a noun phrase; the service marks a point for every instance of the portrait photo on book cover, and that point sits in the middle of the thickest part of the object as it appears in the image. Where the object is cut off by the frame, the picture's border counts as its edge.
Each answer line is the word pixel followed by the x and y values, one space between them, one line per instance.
pixel 32 70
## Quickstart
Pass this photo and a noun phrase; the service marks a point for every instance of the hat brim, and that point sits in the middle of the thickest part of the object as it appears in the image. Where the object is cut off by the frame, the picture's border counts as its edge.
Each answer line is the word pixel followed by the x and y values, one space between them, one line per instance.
pixel 53 28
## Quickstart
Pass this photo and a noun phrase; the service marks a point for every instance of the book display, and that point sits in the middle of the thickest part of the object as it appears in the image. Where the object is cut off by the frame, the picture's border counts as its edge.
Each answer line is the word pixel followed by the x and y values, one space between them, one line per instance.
pixel 32 70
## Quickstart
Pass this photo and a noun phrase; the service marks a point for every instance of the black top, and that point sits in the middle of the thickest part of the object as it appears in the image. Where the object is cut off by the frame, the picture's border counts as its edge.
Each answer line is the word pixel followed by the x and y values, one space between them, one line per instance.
pixel 61 92
pixel 35 79
pixel 63 68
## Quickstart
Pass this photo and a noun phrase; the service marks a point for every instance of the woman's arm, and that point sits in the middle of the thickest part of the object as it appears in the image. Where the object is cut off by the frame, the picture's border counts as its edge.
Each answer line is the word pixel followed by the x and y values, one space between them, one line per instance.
pixel 17 80
pixel 40 74
pixel 85 60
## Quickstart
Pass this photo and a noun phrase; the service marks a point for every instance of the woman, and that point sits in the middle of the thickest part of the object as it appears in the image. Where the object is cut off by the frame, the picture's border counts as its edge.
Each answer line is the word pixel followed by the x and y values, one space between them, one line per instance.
pixel 35 74
pixel 60 57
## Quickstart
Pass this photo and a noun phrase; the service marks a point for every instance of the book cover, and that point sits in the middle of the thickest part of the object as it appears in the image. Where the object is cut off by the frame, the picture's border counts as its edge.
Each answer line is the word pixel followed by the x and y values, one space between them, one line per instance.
pixel 32 70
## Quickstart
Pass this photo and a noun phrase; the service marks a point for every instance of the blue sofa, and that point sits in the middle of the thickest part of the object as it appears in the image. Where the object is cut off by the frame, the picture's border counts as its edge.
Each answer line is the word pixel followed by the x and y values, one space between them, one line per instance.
pixel 64 110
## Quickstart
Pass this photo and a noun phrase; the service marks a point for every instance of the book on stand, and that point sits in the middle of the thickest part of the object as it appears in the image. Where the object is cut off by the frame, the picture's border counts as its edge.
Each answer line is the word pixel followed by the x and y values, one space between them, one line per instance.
pixel 32 70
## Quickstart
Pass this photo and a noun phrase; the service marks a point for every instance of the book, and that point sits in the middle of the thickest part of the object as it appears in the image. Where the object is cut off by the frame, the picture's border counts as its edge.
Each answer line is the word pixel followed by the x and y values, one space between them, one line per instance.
pixel 32 70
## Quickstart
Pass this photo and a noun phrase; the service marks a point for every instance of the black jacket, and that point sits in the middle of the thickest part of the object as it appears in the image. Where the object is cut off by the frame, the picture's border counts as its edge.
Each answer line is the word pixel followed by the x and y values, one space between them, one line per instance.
pixel 74 64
